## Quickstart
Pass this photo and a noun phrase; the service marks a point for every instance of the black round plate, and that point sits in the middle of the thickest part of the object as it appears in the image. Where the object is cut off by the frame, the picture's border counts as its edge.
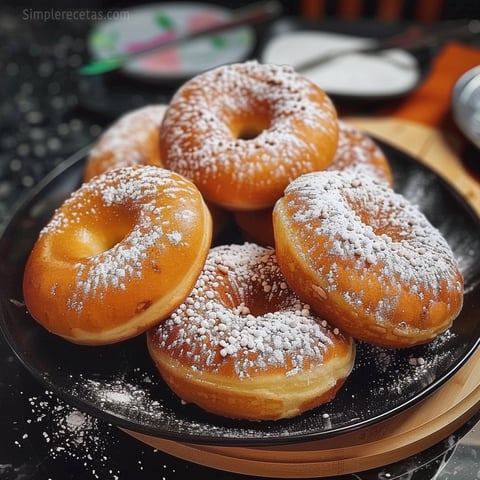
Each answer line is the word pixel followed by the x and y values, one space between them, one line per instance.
pixel 119 383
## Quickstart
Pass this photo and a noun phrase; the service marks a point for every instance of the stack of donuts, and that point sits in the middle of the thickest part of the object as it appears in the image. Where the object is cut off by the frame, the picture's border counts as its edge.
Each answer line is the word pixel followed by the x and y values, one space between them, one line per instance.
pixel 265 328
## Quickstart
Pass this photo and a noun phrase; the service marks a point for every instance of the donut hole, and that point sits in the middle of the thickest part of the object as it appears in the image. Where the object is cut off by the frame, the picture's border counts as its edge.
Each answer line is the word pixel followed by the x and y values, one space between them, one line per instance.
pixel 95 235
pixel 97 241
pixel 257 305
pixel 249 127
pixel 258 300
pixel 249 132
pixel 102 239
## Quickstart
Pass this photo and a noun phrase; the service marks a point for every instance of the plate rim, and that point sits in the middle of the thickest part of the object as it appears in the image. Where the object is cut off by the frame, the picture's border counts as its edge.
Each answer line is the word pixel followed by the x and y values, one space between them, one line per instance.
pixel 93 409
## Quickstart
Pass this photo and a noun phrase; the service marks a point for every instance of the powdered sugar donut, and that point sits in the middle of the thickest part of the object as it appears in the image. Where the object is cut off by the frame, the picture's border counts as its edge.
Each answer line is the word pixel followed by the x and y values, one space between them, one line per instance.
pixel 357 153
pixel 242 132
pixel 366 259
pixel 243 345
pixel 132 140
pixel 118 256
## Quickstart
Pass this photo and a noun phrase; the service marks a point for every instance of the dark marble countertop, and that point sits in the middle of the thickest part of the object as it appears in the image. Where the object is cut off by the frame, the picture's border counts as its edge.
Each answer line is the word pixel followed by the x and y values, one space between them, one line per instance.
pixel 46 114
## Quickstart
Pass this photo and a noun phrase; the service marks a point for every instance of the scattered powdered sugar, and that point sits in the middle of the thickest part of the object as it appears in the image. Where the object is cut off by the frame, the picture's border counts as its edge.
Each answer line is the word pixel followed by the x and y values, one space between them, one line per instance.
pixel 72 435
pixel 123 396
pixel 397 239
pixel 466 254
pixel 292 122
pixel 397 378
pixel 72 442
pixel 210 325
pixel 418 364
pixel 174 237
pixel 420 190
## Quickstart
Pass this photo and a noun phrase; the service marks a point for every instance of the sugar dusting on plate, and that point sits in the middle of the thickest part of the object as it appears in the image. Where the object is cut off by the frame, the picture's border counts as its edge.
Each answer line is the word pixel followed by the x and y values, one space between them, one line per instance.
pixel 83 442
pixel 69 434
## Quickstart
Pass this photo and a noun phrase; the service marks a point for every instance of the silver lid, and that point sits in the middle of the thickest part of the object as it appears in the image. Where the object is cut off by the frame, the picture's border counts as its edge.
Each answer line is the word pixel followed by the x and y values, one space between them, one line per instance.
pixel 466 105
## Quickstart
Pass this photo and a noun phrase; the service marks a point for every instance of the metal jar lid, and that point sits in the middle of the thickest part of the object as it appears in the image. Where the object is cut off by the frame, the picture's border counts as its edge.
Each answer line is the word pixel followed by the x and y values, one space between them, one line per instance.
pixel 466 105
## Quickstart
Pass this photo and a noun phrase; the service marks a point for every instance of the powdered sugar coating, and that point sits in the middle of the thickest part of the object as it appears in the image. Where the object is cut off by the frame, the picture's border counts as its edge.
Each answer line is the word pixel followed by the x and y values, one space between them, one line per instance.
pixel 247 127
pixel 122 251
pixel 399 236
pixel 374 253
pixel 125 143
pixel 357 153
pixel 218 323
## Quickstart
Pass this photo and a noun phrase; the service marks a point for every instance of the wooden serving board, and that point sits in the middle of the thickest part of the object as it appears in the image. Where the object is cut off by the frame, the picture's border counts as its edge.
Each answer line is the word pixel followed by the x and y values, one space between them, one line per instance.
pixel 399 437
pixel 407 433
pixel 437 149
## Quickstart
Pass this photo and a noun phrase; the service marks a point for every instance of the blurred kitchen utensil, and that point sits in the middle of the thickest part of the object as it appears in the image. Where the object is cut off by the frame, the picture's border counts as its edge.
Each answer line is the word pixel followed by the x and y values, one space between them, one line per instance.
pixel 413 38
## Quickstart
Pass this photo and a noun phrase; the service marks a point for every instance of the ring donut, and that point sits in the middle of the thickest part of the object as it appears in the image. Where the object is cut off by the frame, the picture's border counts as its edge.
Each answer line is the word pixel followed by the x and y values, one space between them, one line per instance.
pixel 366 259
pixel 117 256
pixel 132 140
pixel 242 345
pixel 242 132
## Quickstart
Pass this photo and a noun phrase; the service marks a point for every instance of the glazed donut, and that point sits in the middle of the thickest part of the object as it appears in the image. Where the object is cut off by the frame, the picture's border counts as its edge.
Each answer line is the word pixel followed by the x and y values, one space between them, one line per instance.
pixel 366 259
pixel 119 255
pixel 132 140
pixel 243 346
pixel 358 153
pixel 242 132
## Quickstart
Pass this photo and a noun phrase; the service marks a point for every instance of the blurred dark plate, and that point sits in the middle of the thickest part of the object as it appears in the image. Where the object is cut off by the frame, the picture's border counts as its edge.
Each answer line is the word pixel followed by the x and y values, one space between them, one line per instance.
pixel 119 383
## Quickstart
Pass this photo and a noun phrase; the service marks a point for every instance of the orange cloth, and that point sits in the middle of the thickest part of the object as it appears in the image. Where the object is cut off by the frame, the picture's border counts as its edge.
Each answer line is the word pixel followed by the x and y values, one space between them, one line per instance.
pixel 430 104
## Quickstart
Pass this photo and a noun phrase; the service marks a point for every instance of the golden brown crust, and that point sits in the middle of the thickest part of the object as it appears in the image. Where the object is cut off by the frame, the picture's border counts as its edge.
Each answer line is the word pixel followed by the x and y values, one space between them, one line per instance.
pixel 241 132
pixel 366 259
pixel 266 397
pixel 242 345
pixel 118 256
pixel 134 139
